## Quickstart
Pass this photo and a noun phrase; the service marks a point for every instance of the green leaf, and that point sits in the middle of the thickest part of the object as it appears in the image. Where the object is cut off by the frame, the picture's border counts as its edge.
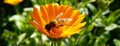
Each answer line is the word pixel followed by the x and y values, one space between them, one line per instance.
pixel 92 8
pixel 113 16
pixel 111 27
pixel 20 38
pixel 117 42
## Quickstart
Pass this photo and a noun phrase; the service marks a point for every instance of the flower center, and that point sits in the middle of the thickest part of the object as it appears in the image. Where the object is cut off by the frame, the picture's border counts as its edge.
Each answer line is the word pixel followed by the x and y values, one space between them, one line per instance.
pixel 55 32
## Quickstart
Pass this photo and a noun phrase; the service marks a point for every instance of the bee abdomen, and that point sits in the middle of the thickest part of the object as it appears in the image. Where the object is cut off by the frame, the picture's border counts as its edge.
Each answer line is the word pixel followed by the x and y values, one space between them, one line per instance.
pixel 47 27
pixel 50 26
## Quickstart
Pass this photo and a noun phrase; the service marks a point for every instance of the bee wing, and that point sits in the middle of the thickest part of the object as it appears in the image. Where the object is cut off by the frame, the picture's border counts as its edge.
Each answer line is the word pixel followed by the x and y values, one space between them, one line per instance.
pixel 67 19
pixel 59 15
pixel 63 20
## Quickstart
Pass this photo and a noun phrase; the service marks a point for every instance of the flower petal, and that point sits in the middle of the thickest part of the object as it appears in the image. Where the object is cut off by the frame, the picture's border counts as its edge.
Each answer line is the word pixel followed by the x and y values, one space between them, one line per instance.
pixel 38 17
pixel 45 13
pixel 62 9
pixel 74 16
pixel 77 28
pixel 68 12
pixel 43 23
pixel 13 2
pixel 51 12
pixel 75 13
pixel 35 18
pixel 39 28
pixel 56 9
pixel 80 18
pixel 73 29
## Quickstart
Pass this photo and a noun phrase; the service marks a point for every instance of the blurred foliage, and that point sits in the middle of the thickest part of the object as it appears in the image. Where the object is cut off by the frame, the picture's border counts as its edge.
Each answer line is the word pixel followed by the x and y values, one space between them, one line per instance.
pixel 102 29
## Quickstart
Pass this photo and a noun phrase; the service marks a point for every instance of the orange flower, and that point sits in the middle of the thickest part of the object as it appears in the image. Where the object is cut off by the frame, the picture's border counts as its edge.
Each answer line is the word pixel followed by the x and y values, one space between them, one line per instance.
pixel 57 21
pixel 13 2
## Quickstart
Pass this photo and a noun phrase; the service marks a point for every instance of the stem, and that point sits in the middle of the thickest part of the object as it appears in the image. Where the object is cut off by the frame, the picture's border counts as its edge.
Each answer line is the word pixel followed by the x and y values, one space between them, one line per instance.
pixel 17 10
pixel 79 37
pixel 97 15
pixel 53 43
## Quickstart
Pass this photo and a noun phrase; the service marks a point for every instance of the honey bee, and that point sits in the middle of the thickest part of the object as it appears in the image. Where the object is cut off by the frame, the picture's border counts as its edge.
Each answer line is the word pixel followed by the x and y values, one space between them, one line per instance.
pixel 57 22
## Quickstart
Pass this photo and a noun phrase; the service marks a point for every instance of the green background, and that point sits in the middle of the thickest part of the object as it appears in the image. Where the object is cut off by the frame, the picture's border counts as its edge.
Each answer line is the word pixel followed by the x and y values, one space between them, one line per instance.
pixel 102 28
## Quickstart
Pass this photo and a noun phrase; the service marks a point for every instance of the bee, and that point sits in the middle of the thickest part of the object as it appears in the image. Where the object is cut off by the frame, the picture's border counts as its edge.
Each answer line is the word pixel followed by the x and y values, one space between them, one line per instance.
pixel 57 22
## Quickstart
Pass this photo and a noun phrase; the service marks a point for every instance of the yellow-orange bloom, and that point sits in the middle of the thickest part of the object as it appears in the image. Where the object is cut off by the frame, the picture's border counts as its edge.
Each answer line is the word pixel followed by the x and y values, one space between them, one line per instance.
pixel 13 2
pixel 51 20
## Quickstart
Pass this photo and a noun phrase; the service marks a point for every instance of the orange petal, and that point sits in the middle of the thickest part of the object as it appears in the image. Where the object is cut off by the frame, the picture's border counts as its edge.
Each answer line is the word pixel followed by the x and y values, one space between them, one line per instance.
pixel 39 28
pixel 73 29
pixel 74 16
pixel 75 13
pixel 35 11
pixel 68 12
pixel 39 15
pixel 77 28
pixel 80 18
pixel 51 12
pixel 45 13
pixel 43 23
pixel 35 18
pixel 35 14
pixel 62 9
pixel 56 9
